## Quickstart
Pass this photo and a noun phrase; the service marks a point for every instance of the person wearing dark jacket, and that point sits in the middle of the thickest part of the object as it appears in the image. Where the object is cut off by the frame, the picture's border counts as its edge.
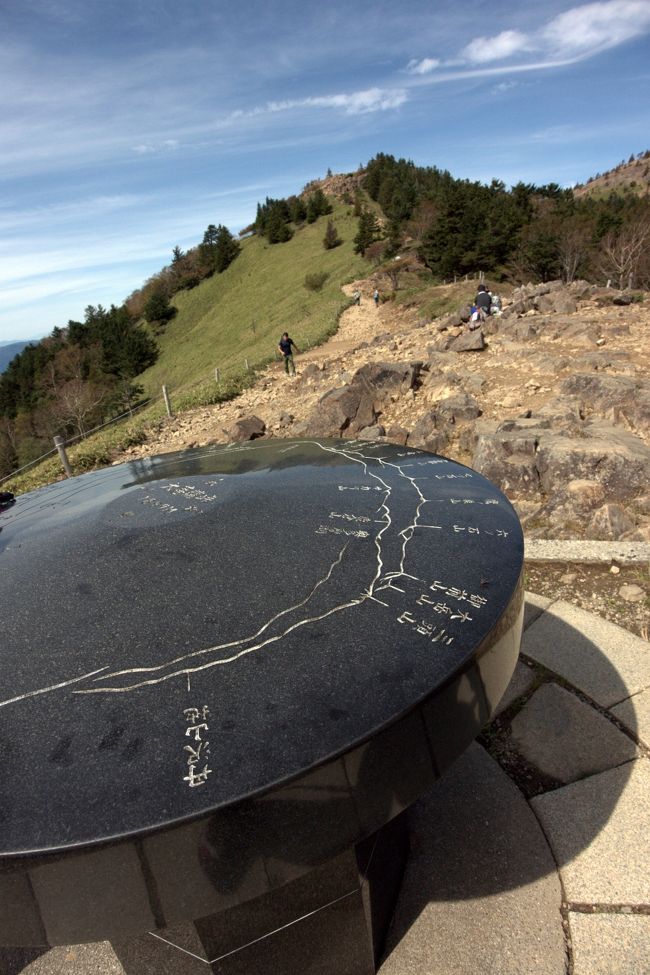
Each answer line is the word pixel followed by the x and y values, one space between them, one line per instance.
pixel 286 347
pixel 483 299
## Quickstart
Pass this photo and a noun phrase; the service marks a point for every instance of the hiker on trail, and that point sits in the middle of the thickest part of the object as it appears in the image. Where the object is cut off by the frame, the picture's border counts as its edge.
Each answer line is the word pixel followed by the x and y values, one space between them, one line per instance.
pixel 375 298
pixel 483 300
pixel 476 317
pixel 357 297
pixel 285 346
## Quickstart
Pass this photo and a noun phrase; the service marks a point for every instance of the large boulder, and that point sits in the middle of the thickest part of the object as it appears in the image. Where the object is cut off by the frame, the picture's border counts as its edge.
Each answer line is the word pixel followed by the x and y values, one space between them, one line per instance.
pixel 559 302
pixel 334 413
pixel 507 458
pixel 246 428
pixel 427 433
pixel 357 405
pixel 616 459
pixel 458 408
pixel 468 342
pixel 576 474
pixel 611 521
pixel 619 399
pixel 381 378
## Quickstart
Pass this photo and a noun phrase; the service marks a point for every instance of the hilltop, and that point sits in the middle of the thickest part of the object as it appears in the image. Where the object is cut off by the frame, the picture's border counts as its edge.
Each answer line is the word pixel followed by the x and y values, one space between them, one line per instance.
pixel 629 177
pixel 552 403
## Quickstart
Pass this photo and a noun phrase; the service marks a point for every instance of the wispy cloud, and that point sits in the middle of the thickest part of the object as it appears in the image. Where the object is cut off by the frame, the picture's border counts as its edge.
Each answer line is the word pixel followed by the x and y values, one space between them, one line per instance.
pixel 577 34
pixel 354 103
pixel 504 45
pixel 424 66
pixel 587 30
pixel 504 86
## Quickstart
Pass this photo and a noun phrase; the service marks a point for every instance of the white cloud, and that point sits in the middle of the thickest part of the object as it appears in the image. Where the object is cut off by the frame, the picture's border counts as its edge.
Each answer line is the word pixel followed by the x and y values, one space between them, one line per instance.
pixel 596 26
pixel 573 35
pixel 503 45
pixel 355 103
pixel 146 148
pixel 504 86
pixel 422 67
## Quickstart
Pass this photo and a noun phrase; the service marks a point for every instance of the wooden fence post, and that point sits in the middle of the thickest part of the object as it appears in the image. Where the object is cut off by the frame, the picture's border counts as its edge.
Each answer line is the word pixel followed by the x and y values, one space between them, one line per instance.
pixel 216 376
pixel 168 405
pixel 59 443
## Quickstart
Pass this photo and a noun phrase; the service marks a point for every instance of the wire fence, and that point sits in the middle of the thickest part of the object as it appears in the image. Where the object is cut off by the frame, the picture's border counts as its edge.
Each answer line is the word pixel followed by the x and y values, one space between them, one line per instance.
pixel 222 378
pixel 60 443
pixel 228 380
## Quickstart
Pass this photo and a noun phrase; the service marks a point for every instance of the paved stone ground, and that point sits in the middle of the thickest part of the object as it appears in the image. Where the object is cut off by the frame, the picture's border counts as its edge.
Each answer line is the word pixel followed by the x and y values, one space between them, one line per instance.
pixel 546 874
pixel 531 856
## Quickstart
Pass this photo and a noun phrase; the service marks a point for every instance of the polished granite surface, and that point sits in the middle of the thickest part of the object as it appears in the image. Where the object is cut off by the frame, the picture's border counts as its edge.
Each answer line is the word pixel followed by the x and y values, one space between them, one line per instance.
pixel 197 646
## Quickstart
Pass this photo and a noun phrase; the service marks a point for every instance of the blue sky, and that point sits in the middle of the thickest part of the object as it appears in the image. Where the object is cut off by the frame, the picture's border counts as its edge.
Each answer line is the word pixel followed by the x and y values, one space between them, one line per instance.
pixel 127 126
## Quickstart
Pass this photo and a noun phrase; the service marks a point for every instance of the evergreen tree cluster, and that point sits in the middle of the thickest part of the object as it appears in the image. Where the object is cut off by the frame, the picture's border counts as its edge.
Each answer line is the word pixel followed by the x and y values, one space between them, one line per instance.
pixel 70 381
pixel 526 232
pixel 274 217
pixel 213 255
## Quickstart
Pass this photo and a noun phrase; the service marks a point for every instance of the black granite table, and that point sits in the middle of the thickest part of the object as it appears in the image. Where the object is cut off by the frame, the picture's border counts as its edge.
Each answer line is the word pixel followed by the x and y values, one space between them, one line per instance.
pixel 225 674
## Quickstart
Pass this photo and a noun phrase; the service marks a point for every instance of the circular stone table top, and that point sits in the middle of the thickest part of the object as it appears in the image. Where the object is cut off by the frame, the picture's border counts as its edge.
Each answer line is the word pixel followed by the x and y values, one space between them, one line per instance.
pixel 186 632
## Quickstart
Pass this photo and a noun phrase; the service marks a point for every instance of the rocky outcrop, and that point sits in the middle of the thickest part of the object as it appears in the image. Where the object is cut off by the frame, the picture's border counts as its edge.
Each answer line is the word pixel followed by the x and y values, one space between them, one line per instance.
pixel 552 297
pixel 555 409
pixel 619 399
pixel 585 477
pixel 357 405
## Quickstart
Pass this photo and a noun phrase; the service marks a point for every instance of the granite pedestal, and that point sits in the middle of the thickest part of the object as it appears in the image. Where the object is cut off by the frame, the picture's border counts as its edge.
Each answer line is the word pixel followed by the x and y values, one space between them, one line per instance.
pixel 226 673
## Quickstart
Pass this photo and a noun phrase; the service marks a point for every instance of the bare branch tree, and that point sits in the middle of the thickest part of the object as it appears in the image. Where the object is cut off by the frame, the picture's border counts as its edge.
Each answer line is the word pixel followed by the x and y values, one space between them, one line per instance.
pixel 573 247
pixel 622 254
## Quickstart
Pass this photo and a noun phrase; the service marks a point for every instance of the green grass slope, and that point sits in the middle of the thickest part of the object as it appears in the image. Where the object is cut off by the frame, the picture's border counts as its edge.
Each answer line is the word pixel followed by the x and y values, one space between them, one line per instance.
pixel 241 313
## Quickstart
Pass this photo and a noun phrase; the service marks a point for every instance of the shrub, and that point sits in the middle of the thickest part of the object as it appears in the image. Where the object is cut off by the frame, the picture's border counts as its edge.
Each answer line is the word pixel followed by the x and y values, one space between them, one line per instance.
pixel 315 280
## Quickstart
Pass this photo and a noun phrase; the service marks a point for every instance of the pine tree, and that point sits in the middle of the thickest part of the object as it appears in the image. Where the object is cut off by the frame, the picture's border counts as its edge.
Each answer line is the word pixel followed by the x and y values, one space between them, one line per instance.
pixel 277 229
pixel 226 249
pixel 367 233
pixel 331 238
pixel 317 206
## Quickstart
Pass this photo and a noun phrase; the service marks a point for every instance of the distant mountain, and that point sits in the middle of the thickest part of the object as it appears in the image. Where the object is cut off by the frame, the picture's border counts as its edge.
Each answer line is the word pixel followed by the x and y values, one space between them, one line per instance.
pixel 631 177
pixel 7 352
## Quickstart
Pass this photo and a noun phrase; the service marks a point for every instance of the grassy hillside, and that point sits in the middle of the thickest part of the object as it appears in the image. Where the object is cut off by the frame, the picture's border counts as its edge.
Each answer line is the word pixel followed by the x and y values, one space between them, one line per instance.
pixel 228 318
pixel 242 313
pixel 631 177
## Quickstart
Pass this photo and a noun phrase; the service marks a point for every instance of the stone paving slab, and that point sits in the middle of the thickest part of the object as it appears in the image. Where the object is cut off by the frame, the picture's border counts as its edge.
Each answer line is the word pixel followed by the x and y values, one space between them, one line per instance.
pixel 481 892
pixel 534 606
pixel 522 680
pixel 635 715
pixel 599 830
pixel 604 661
pixel 550 550
pixel 610 944
pixel 567 739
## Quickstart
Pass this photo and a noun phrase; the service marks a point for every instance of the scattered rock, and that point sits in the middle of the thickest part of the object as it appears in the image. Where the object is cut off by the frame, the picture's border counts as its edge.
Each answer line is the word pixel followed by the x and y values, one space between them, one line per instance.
pixel 632 593
pixel 310 371
pixel 372 433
